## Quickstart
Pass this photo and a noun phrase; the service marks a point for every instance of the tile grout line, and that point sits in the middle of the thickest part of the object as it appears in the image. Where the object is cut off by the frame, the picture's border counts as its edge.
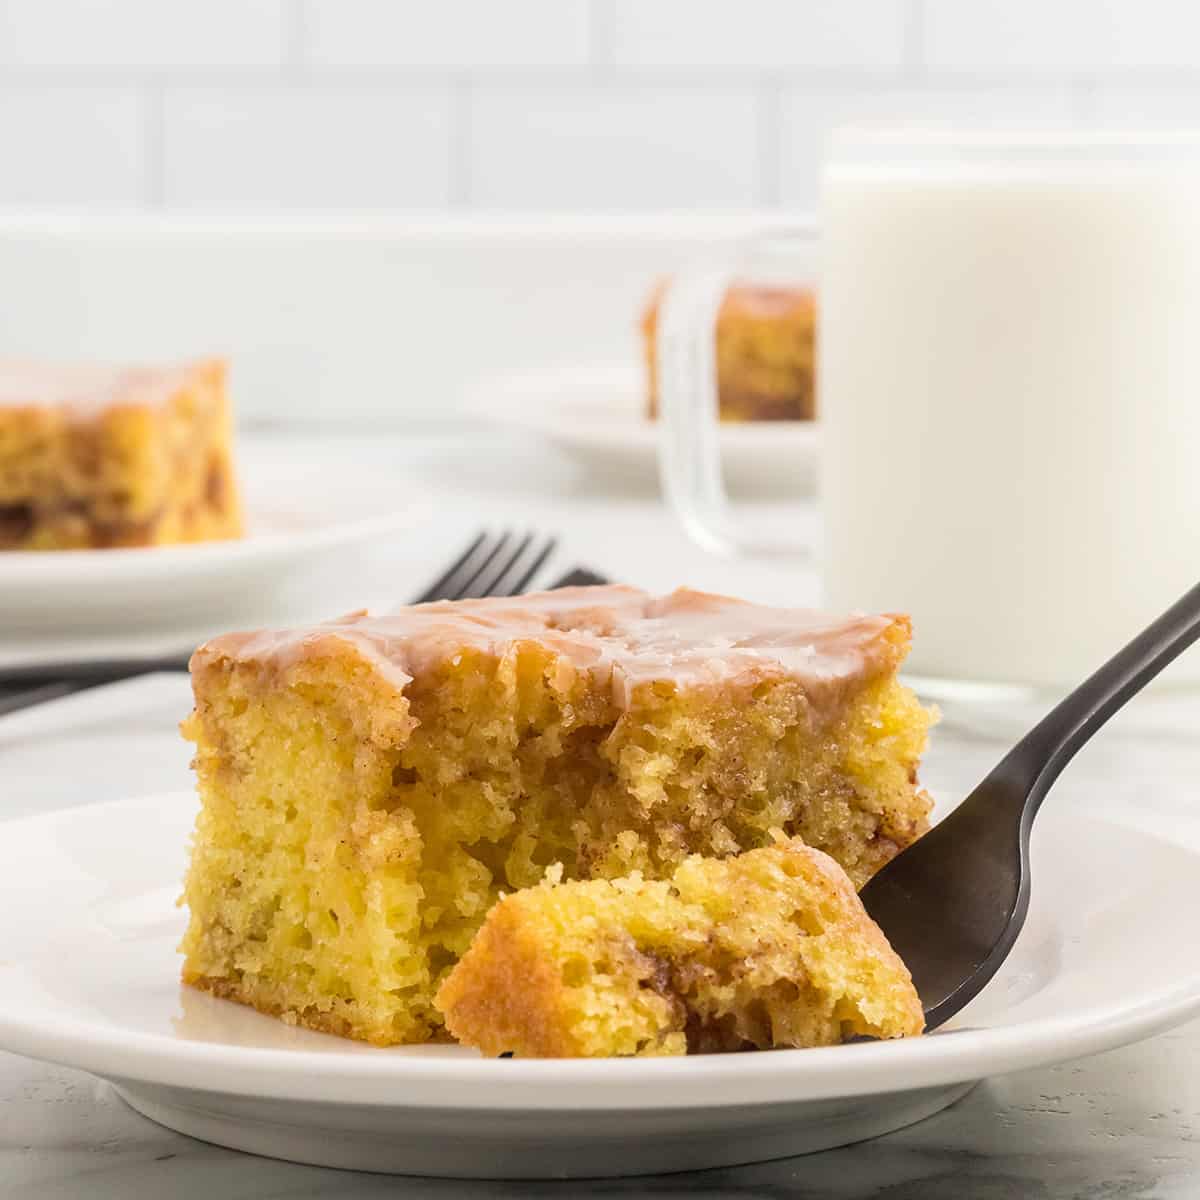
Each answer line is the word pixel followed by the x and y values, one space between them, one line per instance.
pixel 770 149
pixel 461 101
pixel 294 63
pixel 154 141
pixel 600 33
pixel 689 78
pixel 914 41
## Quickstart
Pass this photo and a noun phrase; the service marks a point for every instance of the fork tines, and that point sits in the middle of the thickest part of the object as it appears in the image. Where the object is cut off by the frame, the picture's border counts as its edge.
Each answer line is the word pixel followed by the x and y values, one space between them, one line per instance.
pixel 492 565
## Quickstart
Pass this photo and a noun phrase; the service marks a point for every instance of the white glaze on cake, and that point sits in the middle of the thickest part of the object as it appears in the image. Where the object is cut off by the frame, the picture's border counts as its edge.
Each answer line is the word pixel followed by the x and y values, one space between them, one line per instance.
pixel 619 634
pixel 85 389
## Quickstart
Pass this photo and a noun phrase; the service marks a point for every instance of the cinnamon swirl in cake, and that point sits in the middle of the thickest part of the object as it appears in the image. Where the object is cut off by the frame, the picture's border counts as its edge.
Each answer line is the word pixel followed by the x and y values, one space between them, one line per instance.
pixel 371 786
pixel 98 456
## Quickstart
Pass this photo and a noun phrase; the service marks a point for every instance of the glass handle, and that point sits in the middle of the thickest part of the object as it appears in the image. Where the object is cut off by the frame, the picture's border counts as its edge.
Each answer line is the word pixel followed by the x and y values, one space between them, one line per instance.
pixel 690 448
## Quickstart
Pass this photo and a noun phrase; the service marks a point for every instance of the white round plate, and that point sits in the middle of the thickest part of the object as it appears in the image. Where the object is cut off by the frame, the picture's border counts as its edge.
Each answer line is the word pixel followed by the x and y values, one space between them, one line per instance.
pixel 314 517
pixel 598 416
pixel 88 978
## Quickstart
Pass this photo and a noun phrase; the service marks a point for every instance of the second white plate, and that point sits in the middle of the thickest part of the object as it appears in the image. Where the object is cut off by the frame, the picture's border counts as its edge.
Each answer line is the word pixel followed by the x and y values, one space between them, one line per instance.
pixel 315 518
pixel 89 978
pixel 597 416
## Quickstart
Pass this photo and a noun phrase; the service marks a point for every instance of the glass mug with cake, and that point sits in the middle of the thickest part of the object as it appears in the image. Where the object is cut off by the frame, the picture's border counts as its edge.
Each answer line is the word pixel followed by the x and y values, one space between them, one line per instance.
pixel 1007 368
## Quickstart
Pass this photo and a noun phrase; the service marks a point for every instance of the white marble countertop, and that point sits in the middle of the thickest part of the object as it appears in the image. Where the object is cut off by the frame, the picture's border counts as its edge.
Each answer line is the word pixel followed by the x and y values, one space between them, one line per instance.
pixel 1123 1124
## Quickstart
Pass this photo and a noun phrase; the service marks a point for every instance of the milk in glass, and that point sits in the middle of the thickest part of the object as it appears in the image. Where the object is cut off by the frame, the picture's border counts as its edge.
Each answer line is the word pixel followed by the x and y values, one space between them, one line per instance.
pixel 1010 393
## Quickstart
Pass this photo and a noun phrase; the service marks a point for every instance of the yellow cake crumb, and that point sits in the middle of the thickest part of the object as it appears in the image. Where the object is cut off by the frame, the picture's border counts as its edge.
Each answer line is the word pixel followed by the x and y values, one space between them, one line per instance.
pixel 358 824
pixel 767 949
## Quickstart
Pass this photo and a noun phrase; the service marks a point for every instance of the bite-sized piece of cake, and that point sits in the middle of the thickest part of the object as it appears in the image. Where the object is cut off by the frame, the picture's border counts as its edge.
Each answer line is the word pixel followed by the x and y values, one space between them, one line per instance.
pixel 766 353
pixel 766 949
pixel 95 457
pixel 369 786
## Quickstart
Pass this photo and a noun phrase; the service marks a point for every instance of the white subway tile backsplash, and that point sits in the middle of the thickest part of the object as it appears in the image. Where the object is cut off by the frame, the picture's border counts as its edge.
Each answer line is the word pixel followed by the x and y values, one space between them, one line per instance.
pixel 535 104
pixel 771 34
pixel 808 116
pixel 450 33
pixel 157 34
pixel 312 147
pixel 596 147
pixel 1061 35
pixel 70 146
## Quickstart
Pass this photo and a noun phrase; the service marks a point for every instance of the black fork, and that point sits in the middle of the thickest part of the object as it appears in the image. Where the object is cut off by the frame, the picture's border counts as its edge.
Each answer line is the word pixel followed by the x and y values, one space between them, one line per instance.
pixel 491 566
pixel 953 903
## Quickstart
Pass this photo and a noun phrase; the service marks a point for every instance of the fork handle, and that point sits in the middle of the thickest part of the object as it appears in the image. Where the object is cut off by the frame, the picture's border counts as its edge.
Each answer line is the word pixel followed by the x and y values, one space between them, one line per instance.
pixel 1039 757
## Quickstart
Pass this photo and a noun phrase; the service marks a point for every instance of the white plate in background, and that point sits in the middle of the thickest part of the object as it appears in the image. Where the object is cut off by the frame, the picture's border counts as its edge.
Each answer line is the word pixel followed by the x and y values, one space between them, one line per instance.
pixel 89 979
pixel 597 415
pixel 317 522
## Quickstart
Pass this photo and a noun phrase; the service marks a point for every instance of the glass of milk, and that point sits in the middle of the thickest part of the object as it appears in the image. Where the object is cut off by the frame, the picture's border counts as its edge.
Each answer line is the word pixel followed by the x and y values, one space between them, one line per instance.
pixel 1009 393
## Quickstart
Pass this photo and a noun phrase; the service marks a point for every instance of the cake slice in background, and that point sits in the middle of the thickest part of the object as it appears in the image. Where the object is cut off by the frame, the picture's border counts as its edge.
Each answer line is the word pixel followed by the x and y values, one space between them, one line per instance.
pixel 98 457
pixel 370 786
pixel 766 353
pixel 771 948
